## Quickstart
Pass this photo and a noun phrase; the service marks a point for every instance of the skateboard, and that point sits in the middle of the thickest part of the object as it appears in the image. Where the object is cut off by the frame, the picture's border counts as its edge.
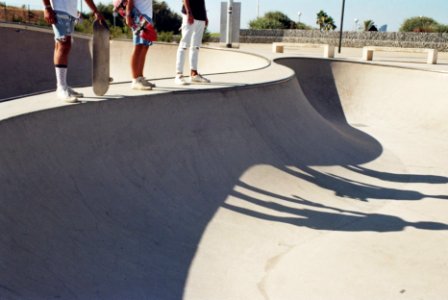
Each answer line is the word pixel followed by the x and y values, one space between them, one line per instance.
pixel 100 58
pixel 144 27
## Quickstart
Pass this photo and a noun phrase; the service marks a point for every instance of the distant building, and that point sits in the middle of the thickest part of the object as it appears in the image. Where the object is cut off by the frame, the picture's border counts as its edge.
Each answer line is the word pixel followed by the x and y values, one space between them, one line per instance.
pixel 383 28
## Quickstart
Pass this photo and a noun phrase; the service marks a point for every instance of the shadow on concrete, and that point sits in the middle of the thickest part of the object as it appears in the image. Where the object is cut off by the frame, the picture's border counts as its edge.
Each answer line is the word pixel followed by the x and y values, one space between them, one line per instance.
pixel 330 218
pixel 394 177
pixel 345 187
pixel 316 80
pixel 110 199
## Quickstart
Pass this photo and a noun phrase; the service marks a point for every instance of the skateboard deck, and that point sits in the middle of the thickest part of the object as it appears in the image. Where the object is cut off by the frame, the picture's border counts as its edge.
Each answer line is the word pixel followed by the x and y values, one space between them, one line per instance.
pixel 100 58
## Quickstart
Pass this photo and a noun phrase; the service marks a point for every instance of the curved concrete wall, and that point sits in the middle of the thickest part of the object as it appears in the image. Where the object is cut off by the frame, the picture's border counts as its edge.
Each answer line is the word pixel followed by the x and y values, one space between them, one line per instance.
pixel 161 61
pixel 111 199
pixel 191 195
pixel 374 94
pixel 27 61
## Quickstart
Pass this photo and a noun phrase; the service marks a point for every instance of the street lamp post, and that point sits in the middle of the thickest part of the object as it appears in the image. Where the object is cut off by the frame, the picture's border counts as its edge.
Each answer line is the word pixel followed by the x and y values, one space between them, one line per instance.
pixel 229 24
pixel 342 25
pixel 356 24
pixel 299 14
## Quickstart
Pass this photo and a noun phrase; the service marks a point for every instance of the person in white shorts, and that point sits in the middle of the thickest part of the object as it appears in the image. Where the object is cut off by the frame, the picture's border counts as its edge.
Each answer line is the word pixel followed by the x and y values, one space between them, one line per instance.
pixel 62 14
pixel 194 22
pixel 134 10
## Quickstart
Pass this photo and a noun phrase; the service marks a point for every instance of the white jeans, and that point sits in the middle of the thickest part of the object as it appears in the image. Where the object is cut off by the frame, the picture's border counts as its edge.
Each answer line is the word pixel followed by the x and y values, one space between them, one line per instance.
pixel 191 37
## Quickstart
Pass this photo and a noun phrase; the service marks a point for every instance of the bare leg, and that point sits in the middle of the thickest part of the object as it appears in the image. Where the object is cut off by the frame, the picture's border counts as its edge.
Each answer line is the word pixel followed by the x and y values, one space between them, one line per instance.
pixel 62 50
pixel 60 59
pixel 138 60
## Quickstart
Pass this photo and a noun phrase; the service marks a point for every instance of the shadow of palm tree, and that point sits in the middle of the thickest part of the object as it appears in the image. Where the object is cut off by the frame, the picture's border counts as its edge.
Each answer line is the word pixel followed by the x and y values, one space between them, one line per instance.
pixel 344 187
pixel 408 178
pixel 321 217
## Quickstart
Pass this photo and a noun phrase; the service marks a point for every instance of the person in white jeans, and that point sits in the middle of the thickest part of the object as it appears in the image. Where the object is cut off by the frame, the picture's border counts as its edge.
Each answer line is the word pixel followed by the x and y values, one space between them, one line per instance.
pixel 194 22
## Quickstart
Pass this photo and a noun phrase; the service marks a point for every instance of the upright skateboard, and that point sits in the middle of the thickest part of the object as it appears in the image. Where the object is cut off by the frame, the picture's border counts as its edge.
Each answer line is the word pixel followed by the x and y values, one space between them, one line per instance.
pixel 100 58
pixel 143 28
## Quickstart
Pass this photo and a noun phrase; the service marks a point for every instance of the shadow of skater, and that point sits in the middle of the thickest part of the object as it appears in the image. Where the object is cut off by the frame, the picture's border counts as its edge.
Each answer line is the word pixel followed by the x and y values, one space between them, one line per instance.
pixel 344 187
pixel 332 218
pixel 405 178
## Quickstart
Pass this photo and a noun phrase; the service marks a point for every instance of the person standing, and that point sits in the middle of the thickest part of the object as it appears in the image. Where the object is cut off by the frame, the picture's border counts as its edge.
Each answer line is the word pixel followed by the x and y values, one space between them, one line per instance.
pixel 135 9
pixel 194 22
pixel 62 14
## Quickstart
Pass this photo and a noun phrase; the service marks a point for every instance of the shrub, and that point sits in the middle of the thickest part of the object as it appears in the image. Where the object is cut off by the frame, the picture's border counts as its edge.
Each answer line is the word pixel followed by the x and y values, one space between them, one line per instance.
pixel 442 28
pixel 272 20
pixel 165 36
pixel 419 24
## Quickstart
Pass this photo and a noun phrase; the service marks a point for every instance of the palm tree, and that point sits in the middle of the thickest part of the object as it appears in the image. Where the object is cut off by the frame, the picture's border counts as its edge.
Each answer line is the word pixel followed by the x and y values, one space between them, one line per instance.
pixel 321 17
pixel 325 22
pixel 329 25
pixel 368 24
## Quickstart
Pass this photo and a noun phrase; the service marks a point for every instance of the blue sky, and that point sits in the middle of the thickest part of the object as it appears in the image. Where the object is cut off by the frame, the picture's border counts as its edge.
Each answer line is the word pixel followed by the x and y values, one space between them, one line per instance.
pixel 390 12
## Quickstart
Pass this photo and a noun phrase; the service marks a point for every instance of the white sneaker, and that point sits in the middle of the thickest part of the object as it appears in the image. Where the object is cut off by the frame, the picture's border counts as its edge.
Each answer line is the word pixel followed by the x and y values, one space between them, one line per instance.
pixel 198 78
pixel 141 84
pixel 180 80
pixel 66 96
pixel 75 93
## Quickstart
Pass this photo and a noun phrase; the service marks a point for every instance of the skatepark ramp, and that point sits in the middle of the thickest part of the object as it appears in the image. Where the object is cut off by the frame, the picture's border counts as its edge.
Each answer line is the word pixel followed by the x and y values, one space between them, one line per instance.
pixel 266 191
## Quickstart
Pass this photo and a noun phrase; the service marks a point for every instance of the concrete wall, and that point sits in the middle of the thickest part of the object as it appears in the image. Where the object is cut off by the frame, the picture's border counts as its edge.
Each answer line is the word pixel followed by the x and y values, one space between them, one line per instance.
pixel 27 61
pixel 350 39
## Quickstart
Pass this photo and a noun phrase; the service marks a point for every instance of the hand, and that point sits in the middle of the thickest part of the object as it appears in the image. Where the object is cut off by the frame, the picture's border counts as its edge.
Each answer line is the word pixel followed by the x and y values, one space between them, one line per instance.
pixel 190 18
pixel 50 15
pixel 99 16
pixel 129 21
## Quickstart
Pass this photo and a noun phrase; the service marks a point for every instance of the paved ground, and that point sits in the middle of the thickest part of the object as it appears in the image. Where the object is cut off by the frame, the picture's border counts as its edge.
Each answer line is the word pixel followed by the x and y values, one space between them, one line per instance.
pixel 299 179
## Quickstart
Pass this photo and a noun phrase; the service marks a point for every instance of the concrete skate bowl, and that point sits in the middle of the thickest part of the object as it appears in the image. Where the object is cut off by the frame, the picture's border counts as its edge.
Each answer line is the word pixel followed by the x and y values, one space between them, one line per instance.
pixel 198 194
pixel 28 66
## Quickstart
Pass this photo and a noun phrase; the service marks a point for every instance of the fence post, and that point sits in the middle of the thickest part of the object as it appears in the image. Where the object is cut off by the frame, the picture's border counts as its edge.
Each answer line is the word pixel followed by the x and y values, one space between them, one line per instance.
pixel 6 12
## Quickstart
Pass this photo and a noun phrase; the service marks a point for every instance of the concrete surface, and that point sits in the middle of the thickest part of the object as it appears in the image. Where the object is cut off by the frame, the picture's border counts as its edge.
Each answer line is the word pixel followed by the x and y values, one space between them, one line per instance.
pixel 301 179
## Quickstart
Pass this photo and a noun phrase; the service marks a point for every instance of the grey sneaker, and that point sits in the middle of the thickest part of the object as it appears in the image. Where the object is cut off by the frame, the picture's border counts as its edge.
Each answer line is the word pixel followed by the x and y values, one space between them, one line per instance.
pixel 141 84
pixel 74 93
pixel 198 78
pixel 66 96
pixel 180 80
pixel 152 85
